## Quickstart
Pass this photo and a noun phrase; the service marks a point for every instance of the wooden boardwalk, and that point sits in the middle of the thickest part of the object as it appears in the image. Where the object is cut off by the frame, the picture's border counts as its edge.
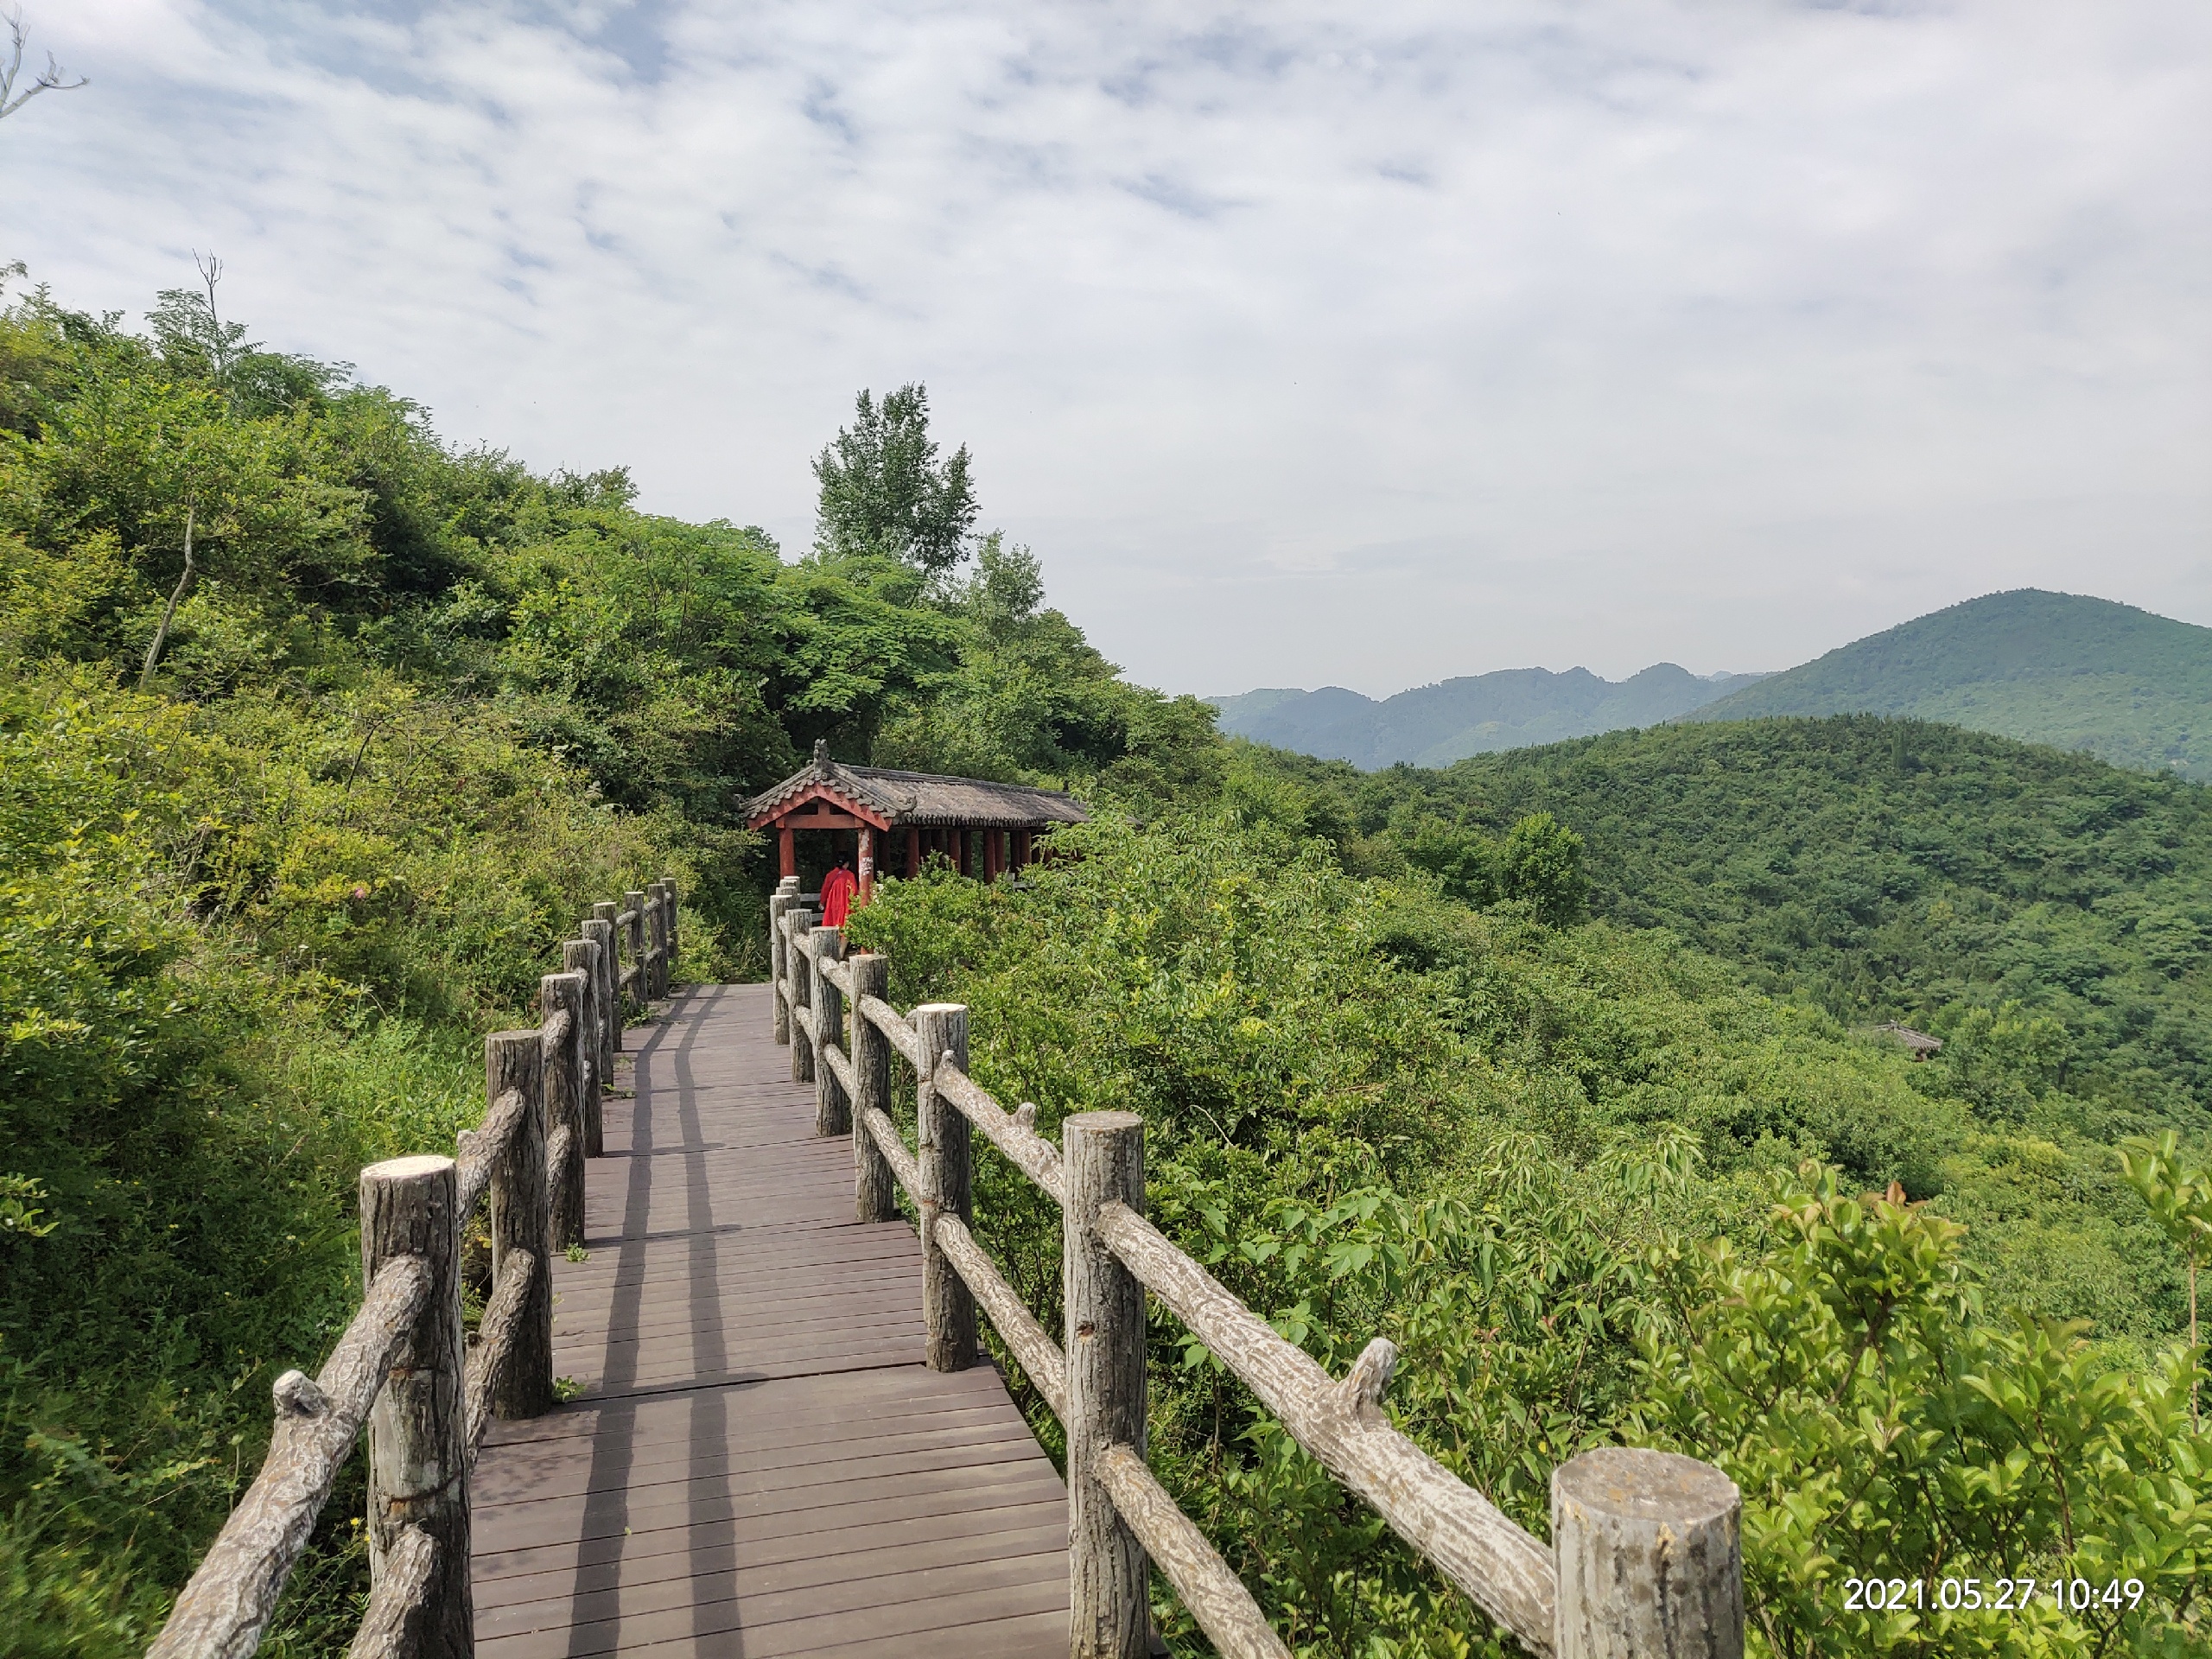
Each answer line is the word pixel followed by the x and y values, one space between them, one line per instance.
pixel 758 1464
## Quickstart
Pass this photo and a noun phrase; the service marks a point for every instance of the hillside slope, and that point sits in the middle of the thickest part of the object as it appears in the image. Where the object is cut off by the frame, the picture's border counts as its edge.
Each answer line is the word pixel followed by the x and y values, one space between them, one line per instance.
pixel 1476 714
pixel 2062 668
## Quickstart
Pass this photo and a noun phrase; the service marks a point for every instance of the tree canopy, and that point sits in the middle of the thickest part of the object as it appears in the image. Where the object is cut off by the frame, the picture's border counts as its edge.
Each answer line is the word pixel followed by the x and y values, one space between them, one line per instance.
pixel 885 492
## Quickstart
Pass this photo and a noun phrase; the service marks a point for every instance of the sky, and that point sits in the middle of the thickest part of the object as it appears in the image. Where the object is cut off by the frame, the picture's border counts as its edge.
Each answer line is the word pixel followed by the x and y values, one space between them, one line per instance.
pixel 1364 345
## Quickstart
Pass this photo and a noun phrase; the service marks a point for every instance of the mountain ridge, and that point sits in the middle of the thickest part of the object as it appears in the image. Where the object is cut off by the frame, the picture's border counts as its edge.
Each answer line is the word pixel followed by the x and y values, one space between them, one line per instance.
pixel 2071 670
pixel 1476 714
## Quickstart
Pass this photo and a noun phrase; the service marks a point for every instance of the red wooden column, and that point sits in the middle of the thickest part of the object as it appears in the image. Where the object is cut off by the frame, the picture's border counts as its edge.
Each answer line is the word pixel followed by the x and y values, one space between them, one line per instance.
pixel 960 855
pixel 913 851
pixel 787 851
pixel 1021 849
pixel 994 858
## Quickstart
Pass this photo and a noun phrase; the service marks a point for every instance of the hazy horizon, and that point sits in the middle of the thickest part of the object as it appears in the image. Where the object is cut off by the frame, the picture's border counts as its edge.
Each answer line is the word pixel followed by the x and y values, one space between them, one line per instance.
pixel 1304 348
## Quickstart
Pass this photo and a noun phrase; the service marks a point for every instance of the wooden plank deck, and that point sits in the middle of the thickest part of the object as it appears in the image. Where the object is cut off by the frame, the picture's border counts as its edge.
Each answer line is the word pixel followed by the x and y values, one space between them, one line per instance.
pixel 759 1463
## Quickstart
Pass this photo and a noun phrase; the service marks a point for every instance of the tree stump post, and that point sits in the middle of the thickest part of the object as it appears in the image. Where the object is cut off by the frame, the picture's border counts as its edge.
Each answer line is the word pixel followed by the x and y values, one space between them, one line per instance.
pixel 521 1220
pixel 948 1175
pixel 634 903
pixel 1108 1581
pixel 605 911
pixel 875 1190
pixel 1650 1557
pixel 779 982
pixel 797 924
pixel 582 956
pixel 418 1428
pixel 833 1112
pixel 657 936
pixel 671 910
pixel 564 1108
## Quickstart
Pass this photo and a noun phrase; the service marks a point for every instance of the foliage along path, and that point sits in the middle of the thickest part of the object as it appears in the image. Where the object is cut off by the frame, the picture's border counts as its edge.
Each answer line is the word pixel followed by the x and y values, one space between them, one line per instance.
pixel 757 1462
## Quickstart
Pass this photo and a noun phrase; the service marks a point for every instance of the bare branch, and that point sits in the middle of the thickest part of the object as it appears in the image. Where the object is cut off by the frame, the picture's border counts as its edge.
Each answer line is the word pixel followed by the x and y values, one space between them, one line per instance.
pixel 53 79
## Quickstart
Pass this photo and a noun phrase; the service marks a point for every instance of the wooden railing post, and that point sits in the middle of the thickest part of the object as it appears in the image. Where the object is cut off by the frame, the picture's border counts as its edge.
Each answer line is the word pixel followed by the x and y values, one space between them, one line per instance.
pixel 657 936
pixel 520 1220
pixel 1109 1588
pixel 876 1192
pixel 583 957
pixel 565 1117
pixel 634 903
pixel 604 913
pixel 780 983
pixel 798 923
pixel 947 1166
pixel 670 910
pixel 418 1428
pixel 1650 1557
pixel 833 1112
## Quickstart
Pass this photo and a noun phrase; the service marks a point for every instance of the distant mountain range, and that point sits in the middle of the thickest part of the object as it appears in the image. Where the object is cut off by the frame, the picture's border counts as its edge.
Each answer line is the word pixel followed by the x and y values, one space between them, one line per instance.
pixel 1435 725
pixel 2062 669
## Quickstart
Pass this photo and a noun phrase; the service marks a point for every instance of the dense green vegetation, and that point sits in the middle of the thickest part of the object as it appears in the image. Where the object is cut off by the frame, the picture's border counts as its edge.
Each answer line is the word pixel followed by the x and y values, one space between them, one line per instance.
pixel 1596 1189
pixel 2042 912
pixel 288 820
pixel 2062 668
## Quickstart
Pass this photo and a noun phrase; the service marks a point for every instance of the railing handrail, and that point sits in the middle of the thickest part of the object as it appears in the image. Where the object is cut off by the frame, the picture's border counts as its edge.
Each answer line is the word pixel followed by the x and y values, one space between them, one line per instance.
pixel 1646 1554
pixel 544 1089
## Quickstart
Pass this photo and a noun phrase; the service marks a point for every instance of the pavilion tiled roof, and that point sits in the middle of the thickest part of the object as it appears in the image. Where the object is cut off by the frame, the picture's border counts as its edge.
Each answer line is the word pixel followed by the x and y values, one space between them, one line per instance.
pixel 922 797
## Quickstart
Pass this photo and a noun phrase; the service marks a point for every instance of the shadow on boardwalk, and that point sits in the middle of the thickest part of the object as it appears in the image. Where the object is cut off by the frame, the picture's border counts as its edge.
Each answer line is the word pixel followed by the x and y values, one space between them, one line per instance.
pixel 758 1463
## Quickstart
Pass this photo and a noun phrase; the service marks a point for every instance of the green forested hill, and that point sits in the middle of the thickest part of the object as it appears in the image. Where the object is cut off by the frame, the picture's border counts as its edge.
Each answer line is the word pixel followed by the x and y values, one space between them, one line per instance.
pixel 1885 870
pixel 2062 668
pixel 285 826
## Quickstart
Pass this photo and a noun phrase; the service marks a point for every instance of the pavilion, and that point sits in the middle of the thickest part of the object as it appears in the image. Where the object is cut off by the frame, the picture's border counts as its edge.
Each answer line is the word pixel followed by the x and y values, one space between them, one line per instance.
pixel 904 816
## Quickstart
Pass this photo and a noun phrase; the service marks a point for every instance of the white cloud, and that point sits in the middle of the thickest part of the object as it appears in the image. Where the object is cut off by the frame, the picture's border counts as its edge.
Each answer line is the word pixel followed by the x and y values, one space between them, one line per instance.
pixel 1306 343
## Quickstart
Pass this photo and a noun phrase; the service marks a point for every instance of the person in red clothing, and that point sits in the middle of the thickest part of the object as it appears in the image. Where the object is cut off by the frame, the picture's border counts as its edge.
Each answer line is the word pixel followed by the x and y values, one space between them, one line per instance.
pixel 838 890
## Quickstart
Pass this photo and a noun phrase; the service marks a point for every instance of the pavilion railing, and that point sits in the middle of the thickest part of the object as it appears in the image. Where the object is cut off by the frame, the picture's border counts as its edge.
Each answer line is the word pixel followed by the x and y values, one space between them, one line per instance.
pixel 1645 1559
pixel 403 1368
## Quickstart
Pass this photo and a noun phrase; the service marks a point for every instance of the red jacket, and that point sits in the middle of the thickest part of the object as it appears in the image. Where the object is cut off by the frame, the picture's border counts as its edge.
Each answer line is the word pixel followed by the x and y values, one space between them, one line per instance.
pixel 838 890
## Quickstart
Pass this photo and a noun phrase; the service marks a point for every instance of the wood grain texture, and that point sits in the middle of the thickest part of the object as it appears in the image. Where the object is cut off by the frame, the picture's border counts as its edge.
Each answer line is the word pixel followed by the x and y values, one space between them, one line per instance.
pixel 798 923
pixel 947 1163
pixel 833 1108
pixel 482 1147
pixel 399 1604
pixel 1216 1597
pixel 779 1026
pixel 1108 1585
pixel 903 1163
pixel 222 1611
pixel 418 1427
pixel 562 1042
pixel 841 1069
pixel 873 1197
pixel 582 956
pixel 760 1462
pixel 522 1219
pixel 1650 1557
pixel 1029 1151
pixel 634 944
pixel 1345 1425
pixel 496 1333
pixel 1039 1355
pixel 897 1030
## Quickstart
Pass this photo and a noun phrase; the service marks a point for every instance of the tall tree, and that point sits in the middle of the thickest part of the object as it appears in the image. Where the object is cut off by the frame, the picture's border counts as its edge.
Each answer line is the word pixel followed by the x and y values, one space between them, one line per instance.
pixel 884 491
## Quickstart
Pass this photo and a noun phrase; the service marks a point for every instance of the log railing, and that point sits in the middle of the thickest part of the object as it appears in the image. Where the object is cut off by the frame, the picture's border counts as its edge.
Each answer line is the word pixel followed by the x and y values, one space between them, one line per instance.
pixel 403 1368
pixel 1645 1559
